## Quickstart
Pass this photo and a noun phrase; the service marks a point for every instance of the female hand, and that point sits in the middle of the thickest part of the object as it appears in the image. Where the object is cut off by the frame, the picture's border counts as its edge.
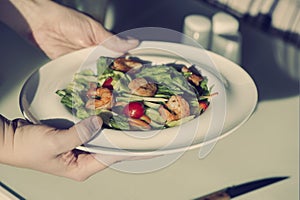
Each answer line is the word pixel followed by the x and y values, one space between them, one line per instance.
pixel 58 30
pixel 51 150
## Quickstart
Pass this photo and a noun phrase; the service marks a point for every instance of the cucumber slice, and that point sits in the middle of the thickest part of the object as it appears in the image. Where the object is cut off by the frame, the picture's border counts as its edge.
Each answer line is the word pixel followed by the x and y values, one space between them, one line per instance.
pixel 152 105
pixel 156 125
pixel 154 116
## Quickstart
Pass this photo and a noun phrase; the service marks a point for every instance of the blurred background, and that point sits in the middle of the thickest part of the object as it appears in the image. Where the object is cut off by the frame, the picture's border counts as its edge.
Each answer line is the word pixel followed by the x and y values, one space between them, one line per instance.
pixel 260 35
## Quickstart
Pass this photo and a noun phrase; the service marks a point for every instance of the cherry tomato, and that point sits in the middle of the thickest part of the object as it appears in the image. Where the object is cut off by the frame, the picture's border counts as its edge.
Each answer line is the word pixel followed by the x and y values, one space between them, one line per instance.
pixel 134 110
pixel 107 83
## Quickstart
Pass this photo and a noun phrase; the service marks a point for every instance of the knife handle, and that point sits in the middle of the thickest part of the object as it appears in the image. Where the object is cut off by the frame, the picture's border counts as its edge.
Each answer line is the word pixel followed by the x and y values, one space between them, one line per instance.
pixel 219 195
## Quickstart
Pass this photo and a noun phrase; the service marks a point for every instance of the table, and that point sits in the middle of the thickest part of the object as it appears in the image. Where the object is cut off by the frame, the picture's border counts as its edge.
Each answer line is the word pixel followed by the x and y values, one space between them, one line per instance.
pixel 266 146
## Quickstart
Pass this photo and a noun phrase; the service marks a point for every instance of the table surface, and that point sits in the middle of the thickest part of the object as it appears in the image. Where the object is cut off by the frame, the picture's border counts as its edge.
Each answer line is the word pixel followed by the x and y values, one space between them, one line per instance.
pixel 266 146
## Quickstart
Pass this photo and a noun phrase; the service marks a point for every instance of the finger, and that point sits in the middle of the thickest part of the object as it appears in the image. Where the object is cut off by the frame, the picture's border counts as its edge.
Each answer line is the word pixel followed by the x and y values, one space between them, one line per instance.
pixel 78 134
pixel 18 123
pixel 68 157
pixel 114 42
pixel 118 44
pixel 86 166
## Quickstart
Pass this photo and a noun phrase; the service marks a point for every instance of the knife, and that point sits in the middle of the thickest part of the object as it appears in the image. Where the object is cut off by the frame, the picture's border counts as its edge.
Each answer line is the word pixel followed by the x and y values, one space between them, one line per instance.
pixel 234 191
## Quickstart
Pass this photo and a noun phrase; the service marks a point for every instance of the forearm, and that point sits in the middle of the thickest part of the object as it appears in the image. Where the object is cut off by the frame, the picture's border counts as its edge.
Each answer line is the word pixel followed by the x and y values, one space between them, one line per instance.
pixel 18 14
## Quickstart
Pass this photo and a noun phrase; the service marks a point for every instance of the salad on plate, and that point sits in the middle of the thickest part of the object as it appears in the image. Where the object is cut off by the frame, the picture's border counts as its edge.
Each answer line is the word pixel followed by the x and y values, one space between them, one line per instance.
pixel 134 94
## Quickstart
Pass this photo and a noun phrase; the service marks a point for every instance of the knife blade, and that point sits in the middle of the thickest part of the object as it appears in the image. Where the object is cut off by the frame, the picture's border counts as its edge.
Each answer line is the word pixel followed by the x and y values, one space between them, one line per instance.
pixel 234 191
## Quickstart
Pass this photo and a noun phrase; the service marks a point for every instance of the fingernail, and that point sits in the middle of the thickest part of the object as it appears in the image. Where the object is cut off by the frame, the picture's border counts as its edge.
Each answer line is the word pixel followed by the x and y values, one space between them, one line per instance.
pixel 132 41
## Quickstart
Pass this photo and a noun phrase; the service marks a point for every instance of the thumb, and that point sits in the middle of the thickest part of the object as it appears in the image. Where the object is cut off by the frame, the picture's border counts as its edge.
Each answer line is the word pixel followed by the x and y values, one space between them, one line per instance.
pixel 115 43
pixel 118 44
pixel 80 133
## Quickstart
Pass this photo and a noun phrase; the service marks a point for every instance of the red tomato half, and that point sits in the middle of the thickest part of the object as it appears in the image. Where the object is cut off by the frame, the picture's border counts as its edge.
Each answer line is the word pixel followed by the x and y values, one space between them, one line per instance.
pixel 203 105
pixel 134 110
pixel 107 83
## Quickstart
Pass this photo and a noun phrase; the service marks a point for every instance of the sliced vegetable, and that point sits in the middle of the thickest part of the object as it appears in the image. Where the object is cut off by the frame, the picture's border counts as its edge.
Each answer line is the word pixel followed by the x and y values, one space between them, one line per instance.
pixel 155 116
pixel 119 122
pixel 152 105
pixel 102 64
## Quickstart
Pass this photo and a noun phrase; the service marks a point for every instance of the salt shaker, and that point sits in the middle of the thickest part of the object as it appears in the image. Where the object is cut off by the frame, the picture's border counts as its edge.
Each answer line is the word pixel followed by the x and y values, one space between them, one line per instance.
pixel 198 29
pixel 226 39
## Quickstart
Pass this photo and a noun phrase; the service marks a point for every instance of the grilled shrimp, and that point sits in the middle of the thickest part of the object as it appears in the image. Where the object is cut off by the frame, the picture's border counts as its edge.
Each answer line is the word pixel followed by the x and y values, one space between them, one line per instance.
pixel 125 64
pixel 105 100
pixel 142 87
pixel 193 77
pixel 167 115
pixel 177 108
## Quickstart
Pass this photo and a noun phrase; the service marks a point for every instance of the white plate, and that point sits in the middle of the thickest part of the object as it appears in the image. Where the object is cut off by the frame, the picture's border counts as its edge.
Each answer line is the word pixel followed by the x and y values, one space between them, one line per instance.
pixel 229 109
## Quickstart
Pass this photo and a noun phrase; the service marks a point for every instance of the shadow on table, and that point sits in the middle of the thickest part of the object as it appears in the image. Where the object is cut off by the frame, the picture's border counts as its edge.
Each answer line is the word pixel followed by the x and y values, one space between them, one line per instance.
pixel 274 80
pixel 18 60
